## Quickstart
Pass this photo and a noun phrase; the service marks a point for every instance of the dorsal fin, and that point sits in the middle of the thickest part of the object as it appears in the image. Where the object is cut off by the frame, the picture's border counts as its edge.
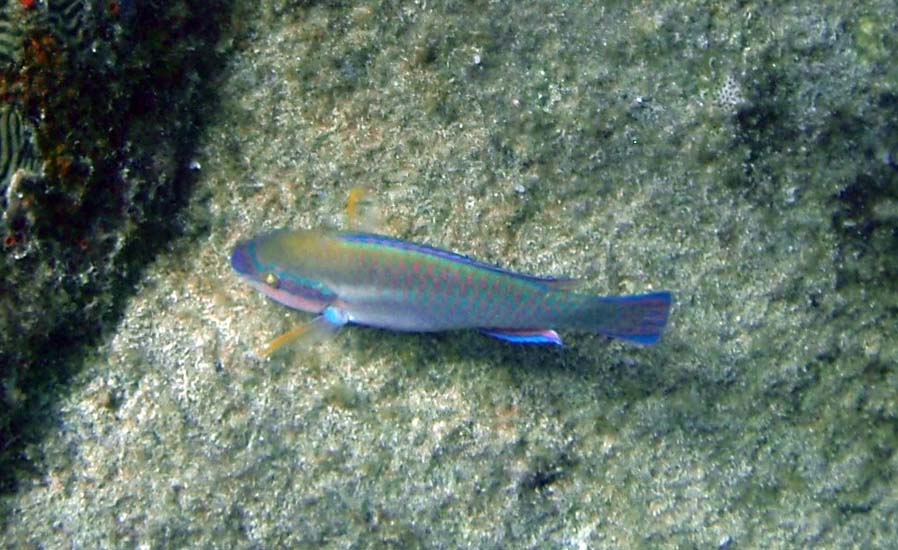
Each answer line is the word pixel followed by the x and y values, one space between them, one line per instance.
pixel 562 283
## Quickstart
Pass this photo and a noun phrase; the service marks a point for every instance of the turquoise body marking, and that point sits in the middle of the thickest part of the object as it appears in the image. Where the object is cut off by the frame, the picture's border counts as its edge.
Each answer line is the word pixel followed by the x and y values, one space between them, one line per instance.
pixel 335 316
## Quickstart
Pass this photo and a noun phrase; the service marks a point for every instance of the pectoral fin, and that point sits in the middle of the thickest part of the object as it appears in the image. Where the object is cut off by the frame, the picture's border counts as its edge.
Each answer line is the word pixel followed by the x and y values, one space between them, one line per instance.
pixel 544 336
pixel 324 326
pixel 362 214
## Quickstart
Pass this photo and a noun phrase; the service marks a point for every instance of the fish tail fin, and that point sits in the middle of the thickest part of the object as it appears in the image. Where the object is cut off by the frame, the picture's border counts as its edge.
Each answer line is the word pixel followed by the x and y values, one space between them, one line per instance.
pixel 639 319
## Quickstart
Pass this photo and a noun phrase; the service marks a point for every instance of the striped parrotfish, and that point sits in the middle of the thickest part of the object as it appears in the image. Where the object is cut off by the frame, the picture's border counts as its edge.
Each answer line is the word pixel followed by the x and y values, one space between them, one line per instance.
pixel 378 281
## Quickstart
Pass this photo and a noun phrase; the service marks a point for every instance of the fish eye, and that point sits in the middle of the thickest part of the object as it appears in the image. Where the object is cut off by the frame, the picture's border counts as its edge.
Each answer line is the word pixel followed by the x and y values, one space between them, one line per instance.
pixel 271 280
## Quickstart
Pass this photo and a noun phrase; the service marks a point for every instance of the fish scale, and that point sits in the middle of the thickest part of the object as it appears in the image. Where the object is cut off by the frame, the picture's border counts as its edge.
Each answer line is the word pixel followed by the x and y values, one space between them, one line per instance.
pixel 378 281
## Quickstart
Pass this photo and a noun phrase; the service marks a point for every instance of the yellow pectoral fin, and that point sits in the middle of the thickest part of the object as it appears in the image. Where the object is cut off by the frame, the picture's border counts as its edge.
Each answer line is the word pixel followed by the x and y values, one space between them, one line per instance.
pixel 361 213
pixel 293 334
pixel 325 325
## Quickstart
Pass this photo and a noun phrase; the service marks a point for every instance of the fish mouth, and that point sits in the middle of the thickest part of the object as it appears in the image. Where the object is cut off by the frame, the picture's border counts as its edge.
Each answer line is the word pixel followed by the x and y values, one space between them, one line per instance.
pixel 242 261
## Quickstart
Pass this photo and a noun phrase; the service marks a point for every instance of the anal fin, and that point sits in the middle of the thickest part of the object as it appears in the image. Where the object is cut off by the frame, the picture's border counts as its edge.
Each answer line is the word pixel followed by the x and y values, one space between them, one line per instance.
pixel 525 336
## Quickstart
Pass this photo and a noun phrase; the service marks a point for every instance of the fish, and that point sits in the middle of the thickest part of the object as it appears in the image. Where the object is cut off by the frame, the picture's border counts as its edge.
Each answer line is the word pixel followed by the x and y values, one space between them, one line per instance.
pixel 18 148
pixel 354 277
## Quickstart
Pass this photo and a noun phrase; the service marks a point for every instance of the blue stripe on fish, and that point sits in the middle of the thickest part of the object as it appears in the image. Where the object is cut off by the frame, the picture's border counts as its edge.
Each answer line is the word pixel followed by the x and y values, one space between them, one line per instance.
pixel 549 337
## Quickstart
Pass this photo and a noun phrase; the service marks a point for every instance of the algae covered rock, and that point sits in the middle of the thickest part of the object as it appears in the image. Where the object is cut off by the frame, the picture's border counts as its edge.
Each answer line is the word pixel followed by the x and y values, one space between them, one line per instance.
pixel 96 122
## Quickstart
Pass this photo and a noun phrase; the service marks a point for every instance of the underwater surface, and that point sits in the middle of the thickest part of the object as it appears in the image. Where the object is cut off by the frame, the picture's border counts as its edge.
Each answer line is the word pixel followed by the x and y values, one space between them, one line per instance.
pixel 744 157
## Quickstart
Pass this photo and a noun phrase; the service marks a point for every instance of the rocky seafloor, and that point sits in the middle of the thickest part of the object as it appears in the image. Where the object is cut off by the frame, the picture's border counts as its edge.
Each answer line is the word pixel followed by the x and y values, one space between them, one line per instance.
pixel 742 157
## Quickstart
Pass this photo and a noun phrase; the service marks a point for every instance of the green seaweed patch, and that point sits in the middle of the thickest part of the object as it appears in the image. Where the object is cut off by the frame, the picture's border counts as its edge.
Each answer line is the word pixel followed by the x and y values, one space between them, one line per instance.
pixel 344 396
pixel 874 39
pixel 11 34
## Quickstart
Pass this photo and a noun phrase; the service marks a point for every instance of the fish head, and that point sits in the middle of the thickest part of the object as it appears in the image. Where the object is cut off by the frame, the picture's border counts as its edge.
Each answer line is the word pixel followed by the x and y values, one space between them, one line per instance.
pixel 285 266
